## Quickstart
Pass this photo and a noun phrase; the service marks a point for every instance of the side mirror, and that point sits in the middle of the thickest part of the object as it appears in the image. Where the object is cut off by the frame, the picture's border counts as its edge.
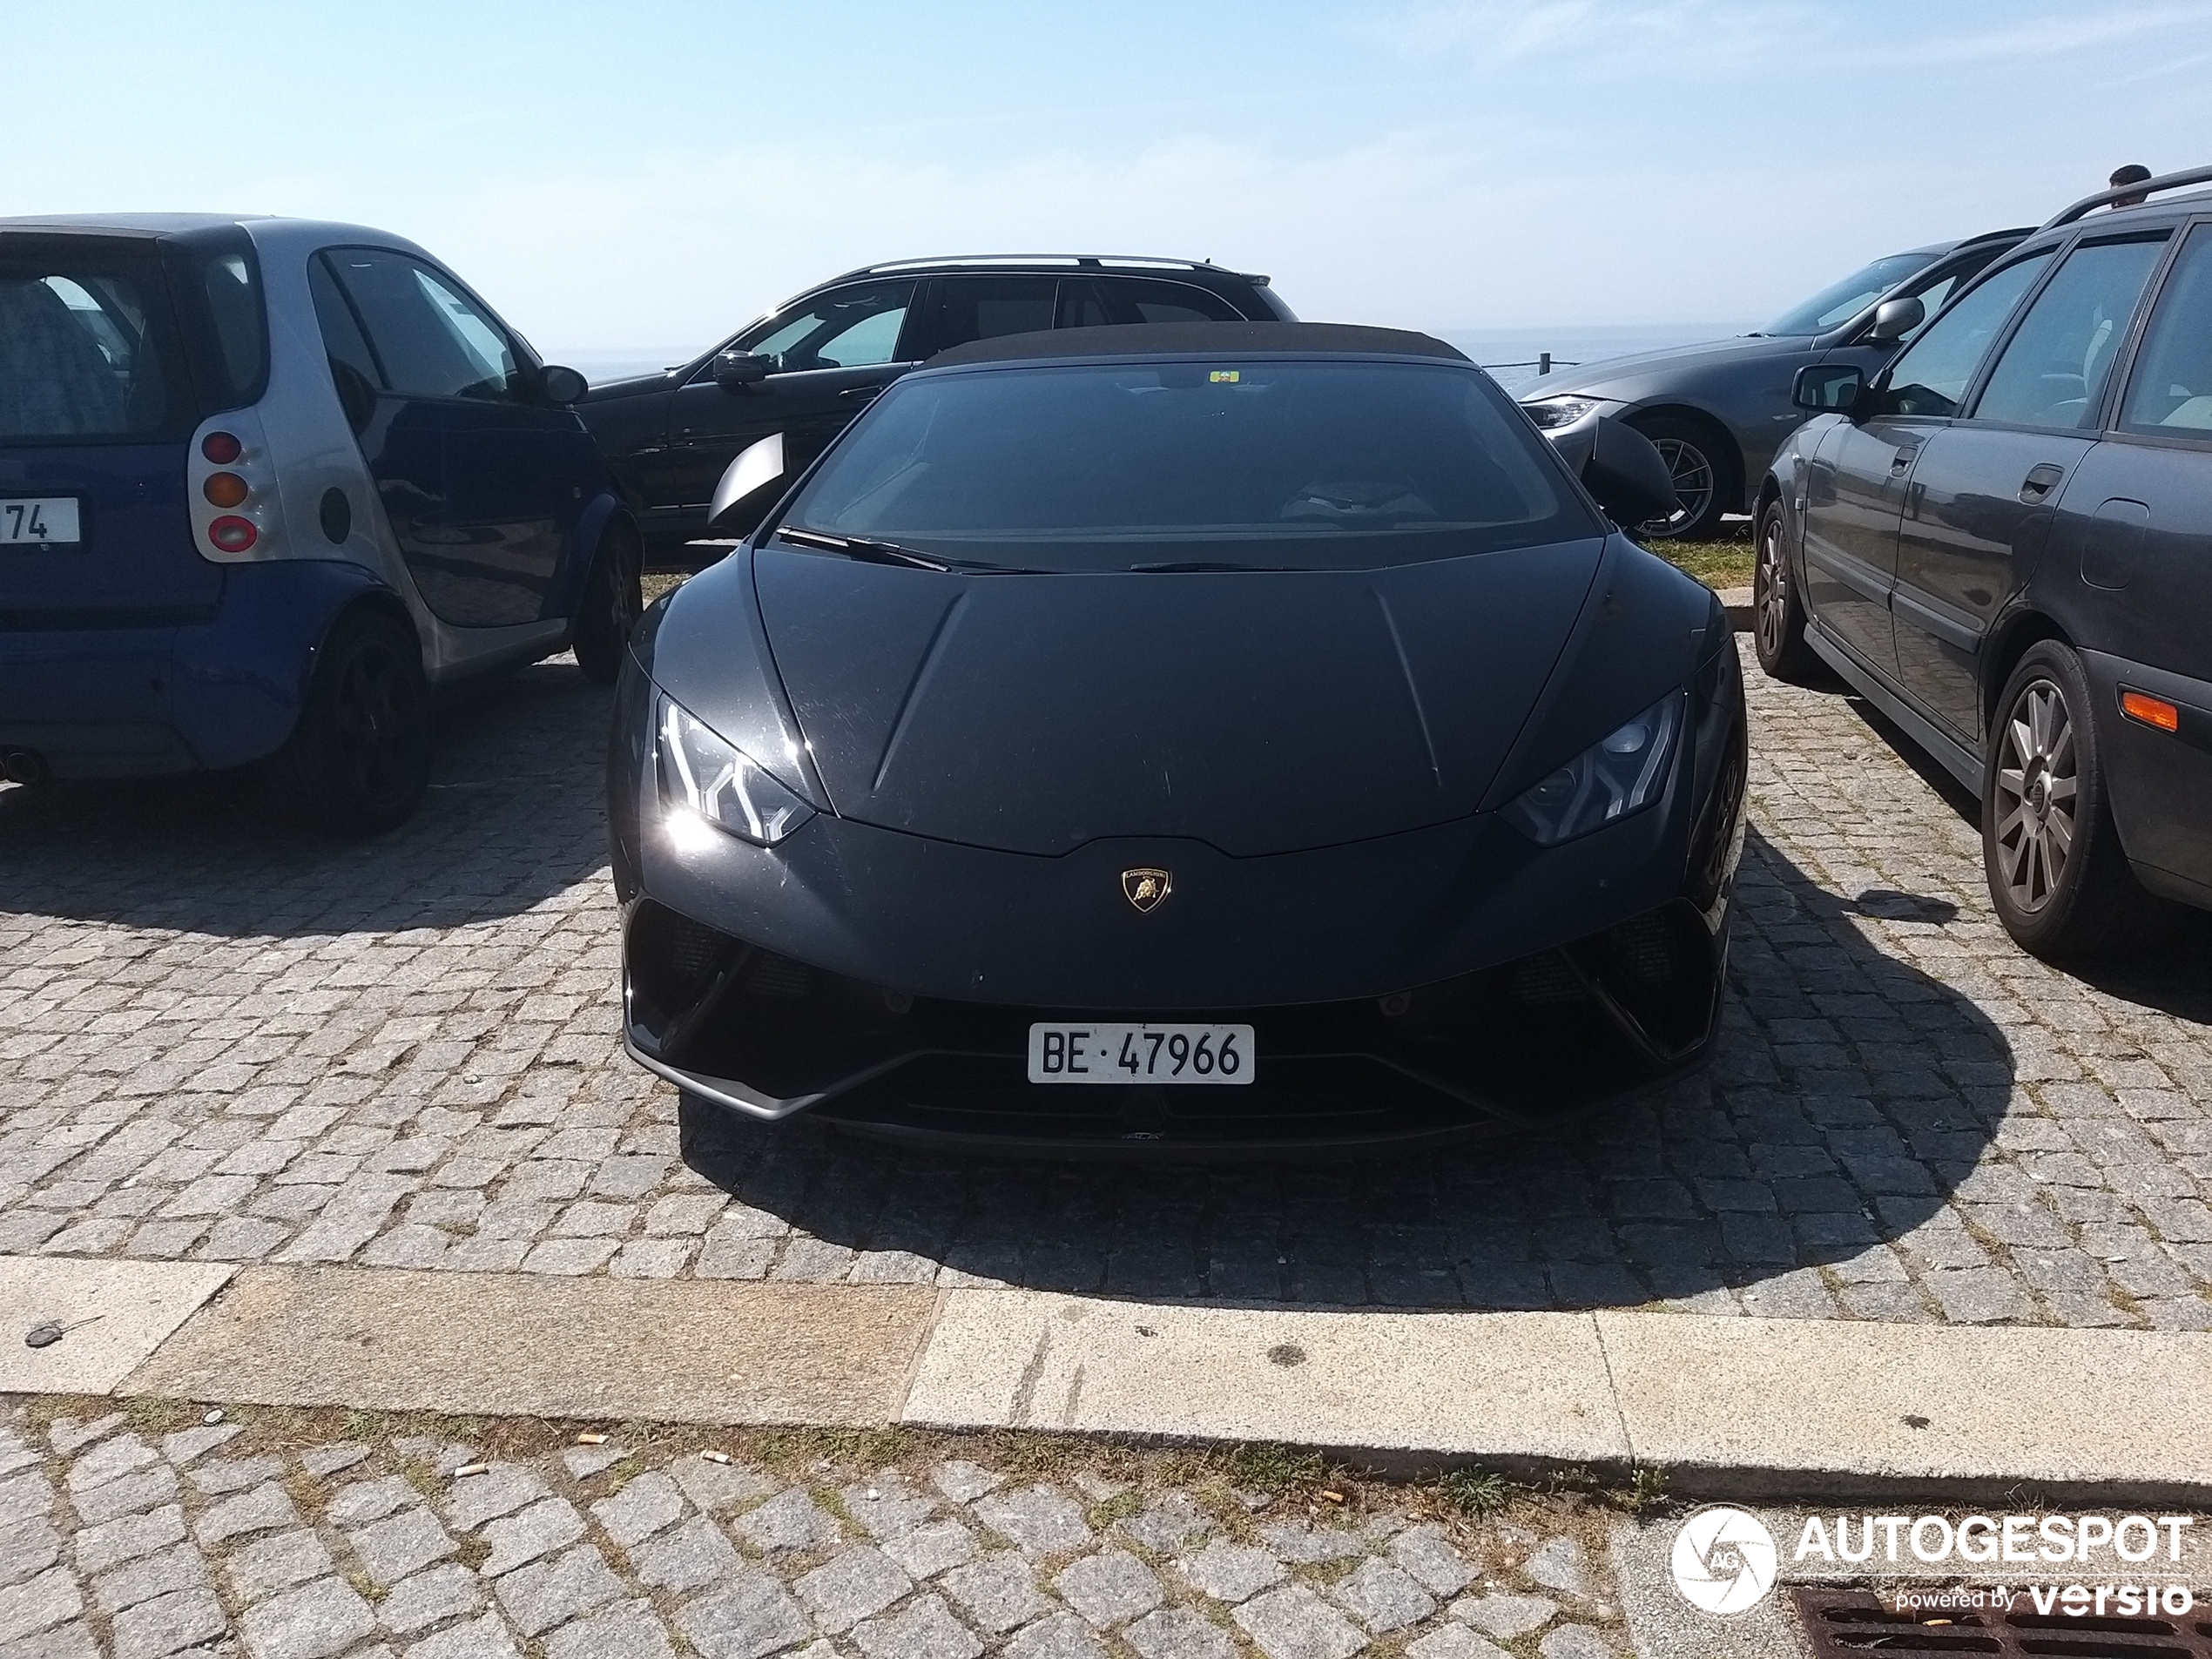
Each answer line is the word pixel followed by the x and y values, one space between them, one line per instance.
pixel 1628 475
pixel 562 385
pixel 736 370
pixel 1830 388
pixel 1894 318
pixel 759 466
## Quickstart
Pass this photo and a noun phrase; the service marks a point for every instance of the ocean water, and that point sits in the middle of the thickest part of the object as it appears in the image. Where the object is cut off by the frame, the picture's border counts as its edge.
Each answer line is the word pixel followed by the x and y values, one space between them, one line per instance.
pixel 1509 354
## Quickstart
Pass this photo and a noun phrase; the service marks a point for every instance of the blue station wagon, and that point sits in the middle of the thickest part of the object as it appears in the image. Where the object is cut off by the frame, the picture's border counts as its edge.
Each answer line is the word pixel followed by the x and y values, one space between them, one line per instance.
pixel 263 483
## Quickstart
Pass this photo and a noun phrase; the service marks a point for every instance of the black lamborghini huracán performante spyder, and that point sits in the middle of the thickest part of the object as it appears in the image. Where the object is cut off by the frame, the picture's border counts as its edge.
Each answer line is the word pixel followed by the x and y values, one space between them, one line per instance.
pixel 1240 735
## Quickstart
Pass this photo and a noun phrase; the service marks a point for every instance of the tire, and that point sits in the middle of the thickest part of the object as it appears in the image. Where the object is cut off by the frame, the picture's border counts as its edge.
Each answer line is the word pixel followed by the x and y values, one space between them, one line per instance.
pixel 360 759
pixel 1705 478
pixel 2057 874
pixel 1777 608
pixel 613 599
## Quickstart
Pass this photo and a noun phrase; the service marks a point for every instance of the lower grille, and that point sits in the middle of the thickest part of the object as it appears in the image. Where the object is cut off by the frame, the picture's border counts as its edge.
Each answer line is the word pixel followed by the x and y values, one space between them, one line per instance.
pixel 1843 1624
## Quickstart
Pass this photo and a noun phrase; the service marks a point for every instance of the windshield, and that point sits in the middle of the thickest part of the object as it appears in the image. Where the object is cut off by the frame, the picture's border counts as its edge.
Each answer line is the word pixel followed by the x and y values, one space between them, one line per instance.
pixel 1840 301
pixel 1229 463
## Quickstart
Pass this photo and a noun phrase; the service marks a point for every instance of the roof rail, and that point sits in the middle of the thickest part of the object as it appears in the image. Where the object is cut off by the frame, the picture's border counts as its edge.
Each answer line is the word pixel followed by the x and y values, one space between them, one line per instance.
pixel 1076 260
pixel 2164 181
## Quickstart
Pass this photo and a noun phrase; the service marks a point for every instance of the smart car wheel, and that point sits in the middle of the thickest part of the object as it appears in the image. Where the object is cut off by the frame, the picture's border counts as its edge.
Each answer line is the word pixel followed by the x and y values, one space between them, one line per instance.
pixel 613 600
pixel 1702 479
pixel 1778 615
pixel 360 759
pixel 2057 875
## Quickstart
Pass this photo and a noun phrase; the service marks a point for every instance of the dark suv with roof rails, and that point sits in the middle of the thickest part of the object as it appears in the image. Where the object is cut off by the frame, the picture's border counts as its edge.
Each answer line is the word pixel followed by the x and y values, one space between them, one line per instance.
pixel 809 367
pixel 2004 542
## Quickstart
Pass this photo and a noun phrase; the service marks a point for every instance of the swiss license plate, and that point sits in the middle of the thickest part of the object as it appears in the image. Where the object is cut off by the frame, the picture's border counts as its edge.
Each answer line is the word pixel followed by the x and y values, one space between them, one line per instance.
pixel 1141 1054
pixel 37 519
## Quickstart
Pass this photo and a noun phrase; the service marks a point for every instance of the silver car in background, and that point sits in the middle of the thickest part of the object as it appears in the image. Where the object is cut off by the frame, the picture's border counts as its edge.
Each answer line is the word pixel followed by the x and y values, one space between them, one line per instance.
pixel 1718 411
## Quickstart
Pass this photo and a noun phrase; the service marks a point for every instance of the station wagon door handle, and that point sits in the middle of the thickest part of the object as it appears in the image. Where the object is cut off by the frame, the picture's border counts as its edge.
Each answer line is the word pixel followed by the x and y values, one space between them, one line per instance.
pixel 1902 461
pixel 859 394
pixel 2041 482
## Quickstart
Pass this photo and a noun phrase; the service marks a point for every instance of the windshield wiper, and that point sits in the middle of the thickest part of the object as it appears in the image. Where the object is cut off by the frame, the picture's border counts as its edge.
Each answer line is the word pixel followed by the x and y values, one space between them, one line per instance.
pixel 873 552
pixel 1201 566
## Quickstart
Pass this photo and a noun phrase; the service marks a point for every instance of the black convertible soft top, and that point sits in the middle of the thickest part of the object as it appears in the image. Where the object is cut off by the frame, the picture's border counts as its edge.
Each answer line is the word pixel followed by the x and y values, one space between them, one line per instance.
pixel 1197 339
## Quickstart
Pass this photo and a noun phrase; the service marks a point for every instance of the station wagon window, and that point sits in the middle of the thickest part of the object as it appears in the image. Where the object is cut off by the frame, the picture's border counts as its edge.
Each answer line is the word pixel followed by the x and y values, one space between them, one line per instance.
pixel 1174 302
pixel 2171 393
pixel 2052 371
pixel 1931 376
pixel 851 327
pixel 85 350
pixel 431 339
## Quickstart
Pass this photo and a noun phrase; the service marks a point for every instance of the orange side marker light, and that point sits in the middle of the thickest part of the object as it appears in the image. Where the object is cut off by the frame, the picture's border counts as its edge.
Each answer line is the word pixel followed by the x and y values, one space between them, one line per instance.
pixel 2151 710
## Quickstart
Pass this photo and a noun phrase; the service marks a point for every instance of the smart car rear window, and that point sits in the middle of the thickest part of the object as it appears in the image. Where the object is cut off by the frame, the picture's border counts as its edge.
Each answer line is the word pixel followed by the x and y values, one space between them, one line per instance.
pixel 1241 462
pixel 87 349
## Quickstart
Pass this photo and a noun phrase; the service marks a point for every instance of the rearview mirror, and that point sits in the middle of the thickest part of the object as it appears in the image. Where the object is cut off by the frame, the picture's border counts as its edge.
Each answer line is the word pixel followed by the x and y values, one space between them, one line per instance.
pixel 759 467
pixel 1829 388
pixel 1628 475
pixel 736 371
pixel 562 385
pixel 1894 318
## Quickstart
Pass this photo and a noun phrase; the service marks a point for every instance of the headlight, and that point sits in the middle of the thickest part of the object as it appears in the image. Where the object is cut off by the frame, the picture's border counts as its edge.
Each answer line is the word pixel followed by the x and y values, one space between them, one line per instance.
pixel 1620 774
pixel 706 781
pixel 1548 412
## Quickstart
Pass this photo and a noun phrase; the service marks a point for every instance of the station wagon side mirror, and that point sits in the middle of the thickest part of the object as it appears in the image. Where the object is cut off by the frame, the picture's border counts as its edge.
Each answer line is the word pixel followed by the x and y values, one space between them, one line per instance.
pixel 1894 318
pixel 759 467
pixel 1628 475
pixel 1830 388
pixel 562 385
pixel 737 371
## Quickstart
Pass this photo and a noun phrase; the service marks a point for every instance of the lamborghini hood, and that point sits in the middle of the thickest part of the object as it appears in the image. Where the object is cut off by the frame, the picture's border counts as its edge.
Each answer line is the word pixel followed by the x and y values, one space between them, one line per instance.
pixel 1260 711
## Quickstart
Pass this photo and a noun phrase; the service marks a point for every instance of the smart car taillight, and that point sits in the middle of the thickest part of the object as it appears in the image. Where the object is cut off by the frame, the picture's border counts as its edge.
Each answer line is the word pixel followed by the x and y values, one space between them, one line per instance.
pixel 221 448
pixel 233 534
pixel 225 490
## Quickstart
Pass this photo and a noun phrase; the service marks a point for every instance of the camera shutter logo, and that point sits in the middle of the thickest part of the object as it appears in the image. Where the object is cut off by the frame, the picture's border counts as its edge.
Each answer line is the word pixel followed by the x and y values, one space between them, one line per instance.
pixel 1725 1560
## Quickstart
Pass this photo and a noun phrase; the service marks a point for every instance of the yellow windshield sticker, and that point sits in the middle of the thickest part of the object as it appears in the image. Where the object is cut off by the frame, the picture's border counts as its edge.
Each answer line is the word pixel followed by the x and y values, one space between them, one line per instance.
pixel 1228 376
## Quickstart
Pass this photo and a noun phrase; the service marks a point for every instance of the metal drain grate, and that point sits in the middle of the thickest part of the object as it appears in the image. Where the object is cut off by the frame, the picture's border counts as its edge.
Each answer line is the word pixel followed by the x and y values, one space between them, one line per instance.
pixel 1843 1624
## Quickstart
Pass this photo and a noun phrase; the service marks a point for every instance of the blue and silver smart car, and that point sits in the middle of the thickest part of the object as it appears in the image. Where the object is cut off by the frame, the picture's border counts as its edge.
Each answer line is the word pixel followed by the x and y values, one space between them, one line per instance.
pixel 263 483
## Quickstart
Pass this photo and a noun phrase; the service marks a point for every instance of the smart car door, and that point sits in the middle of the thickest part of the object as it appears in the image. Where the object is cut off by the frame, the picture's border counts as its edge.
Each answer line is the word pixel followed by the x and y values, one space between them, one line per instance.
pixel 481 482
pixel 1978 510
pixel 1856 497
pixel 828 356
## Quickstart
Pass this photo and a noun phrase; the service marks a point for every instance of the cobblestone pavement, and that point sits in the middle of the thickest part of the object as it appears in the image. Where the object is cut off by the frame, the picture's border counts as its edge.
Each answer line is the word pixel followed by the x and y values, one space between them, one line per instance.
pixel 217 1042
pixel 137 1544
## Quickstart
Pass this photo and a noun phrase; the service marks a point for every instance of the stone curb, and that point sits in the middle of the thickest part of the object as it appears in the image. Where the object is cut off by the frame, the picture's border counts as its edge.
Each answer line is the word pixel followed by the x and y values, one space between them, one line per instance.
pixel 1730 1407
pixel 1738 602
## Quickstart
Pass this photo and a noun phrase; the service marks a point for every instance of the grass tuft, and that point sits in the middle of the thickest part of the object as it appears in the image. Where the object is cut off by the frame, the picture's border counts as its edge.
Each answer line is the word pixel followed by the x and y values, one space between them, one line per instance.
pixel 1474 1492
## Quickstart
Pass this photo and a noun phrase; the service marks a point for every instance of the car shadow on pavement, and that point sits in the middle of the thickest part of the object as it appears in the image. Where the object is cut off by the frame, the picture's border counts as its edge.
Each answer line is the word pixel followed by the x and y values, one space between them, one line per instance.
pixel 1851 1095
pixel 514 814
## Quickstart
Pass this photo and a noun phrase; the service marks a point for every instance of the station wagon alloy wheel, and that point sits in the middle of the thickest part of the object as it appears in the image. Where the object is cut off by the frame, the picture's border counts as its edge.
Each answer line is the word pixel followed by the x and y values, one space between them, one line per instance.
pixel 1773 589
pixel 2036 791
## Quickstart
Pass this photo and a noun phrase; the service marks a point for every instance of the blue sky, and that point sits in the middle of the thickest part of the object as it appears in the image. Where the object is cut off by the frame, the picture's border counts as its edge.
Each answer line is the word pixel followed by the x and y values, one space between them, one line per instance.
pixel 652 174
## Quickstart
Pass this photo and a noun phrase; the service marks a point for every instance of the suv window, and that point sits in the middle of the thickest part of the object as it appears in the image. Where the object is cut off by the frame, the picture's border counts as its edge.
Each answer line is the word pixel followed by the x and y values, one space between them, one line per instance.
pixel 2171 392
pixel 1080 304
pixel 1931 377
pixel 845 329
pixel 84 352
pixel 2054 369
pixel 985 307
pixel 431 340
pixel 1173 301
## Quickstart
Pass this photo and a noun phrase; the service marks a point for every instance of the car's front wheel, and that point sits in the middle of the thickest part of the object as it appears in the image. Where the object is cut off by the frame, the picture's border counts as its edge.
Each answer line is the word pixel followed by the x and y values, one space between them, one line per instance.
pixel 1777 611
pixel 1704 478
pixel 613 599
pixel 360 759
pixel 2058 877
